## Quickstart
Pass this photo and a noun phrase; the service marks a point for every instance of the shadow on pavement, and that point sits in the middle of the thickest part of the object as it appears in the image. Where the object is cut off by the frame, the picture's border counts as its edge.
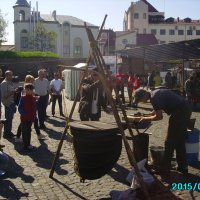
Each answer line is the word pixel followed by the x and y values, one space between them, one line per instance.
pixel 119 174
pixel 56 135
pixel 43 158
pixel 68 188
pixel 9 191
pixel 7 188
pixel 14 171
pixel 57 123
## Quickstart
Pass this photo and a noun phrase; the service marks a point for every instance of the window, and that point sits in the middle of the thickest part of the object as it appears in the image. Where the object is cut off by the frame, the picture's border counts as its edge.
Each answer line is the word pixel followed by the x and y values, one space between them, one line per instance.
pixel 180 32
pixel 124 41
pixel 24 31
pixel 197 32
pixel 144 15
pixel 77 47
pixel 189 32
pixel 136 15
pixel 66 49
pixel 162 42
pixel 153 31
pixel 24 42
pixel 171 32
pixel 162 32
pixel 21 15
pixel 53 48
pixel 77 50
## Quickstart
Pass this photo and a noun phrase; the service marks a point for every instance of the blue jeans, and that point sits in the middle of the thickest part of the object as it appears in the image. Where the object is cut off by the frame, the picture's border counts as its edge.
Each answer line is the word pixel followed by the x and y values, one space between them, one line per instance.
pixel 9 114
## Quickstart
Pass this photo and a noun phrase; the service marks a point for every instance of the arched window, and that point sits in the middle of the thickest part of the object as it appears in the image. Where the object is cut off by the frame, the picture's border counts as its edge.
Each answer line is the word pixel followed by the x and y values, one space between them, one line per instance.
pixel 77 47
pixel 24 39
pixel 21 15
pixel 24 31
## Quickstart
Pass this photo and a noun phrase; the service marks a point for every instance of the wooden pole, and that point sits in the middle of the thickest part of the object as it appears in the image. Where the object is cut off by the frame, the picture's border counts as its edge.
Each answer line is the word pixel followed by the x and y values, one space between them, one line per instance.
pixel 72 109
pixel 101 67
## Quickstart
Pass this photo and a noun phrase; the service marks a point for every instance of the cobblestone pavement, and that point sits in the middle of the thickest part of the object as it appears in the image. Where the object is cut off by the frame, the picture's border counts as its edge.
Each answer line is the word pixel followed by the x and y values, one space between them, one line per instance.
pixel 28 174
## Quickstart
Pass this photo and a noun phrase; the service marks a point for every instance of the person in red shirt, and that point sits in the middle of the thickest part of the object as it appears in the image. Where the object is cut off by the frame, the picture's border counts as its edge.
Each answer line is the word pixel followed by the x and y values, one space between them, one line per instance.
pixel 27 109
pixel 120 80
pixel 130 87
pixel 136 85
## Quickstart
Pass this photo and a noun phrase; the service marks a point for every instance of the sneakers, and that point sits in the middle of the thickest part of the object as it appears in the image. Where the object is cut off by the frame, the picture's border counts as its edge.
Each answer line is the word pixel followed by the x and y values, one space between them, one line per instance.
pixel 41 137
pixel 2 146
pixel 2 173
pixel 18 139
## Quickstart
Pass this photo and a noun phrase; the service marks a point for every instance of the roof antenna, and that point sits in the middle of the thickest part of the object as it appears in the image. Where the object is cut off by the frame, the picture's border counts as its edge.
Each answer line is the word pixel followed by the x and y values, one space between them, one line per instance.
pixel 164 6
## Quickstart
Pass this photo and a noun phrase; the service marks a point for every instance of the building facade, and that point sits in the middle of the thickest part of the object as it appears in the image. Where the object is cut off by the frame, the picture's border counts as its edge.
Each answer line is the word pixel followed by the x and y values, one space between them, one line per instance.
pixel 71 37
pixel 106 42
pixel 142 17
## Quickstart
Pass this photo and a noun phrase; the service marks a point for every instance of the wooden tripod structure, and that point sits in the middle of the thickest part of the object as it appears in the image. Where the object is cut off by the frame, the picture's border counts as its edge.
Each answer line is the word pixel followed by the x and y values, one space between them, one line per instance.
pixel 99 62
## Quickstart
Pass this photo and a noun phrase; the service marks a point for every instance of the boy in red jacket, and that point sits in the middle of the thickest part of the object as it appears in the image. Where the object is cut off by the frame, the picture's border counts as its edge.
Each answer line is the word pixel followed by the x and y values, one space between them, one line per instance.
pixel 27 109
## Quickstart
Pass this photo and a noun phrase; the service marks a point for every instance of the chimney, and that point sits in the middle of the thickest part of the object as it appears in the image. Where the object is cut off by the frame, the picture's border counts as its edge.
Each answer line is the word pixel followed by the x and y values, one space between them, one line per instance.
pixel 54 15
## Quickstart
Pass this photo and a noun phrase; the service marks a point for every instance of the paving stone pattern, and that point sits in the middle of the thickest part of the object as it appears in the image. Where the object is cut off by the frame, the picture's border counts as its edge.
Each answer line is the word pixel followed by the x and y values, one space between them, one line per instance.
pixel 28 173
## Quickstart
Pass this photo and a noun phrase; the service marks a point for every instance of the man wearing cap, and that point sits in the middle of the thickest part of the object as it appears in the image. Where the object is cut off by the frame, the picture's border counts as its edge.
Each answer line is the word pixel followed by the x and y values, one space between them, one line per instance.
pixel 180 111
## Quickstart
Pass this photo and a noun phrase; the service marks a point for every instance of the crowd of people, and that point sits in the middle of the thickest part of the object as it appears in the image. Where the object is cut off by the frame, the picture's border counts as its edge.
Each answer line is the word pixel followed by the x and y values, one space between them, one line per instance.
pixel 31 101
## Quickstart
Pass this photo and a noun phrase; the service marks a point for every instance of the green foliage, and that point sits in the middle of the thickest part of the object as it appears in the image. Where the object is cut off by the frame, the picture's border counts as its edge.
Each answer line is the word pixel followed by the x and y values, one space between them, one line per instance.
pixel 3 25
pixel 43 39
pixel 27 54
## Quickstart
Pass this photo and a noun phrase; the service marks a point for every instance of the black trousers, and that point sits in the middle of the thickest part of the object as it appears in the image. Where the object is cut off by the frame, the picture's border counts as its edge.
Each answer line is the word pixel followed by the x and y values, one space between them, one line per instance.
pixel 130 93
pixel 121 90
pixel 175 140
pixel 36 127
pixel 26 133
pixel 54 99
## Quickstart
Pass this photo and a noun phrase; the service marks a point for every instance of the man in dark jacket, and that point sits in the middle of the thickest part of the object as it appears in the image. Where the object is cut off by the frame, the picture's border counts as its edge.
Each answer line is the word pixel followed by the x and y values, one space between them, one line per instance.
pixel 92 99
pixel 180 111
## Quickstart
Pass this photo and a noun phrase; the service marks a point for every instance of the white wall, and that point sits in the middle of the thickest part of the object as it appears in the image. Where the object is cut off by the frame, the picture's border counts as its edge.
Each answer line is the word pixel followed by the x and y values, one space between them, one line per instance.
pixel 130 37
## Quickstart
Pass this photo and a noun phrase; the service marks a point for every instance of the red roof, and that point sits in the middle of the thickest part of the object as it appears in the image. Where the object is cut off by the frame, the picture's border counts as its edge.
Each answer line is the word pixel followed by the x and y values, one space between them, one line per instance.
pixel 146 39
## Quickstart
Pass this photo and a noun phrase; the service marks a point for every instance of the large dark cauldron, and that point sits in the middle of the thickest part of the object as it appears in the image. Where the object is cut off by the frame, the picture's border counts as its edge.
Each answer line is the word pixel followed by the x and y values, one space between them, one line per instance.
pixel 97 148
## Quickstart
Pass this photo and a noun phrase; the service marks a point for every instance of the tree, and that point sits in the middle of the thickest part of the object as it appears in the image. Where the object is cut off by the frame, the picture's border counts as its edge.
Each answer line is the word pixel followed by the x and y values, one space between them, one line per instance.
pixel 42 39
pixel 3 25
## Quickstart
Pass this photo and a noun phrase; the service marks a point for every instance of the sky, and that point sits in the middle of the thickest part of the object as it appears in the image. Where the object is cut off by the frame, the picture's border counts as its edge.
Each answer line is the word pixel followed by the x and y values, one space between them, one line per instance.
pixel 94 11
